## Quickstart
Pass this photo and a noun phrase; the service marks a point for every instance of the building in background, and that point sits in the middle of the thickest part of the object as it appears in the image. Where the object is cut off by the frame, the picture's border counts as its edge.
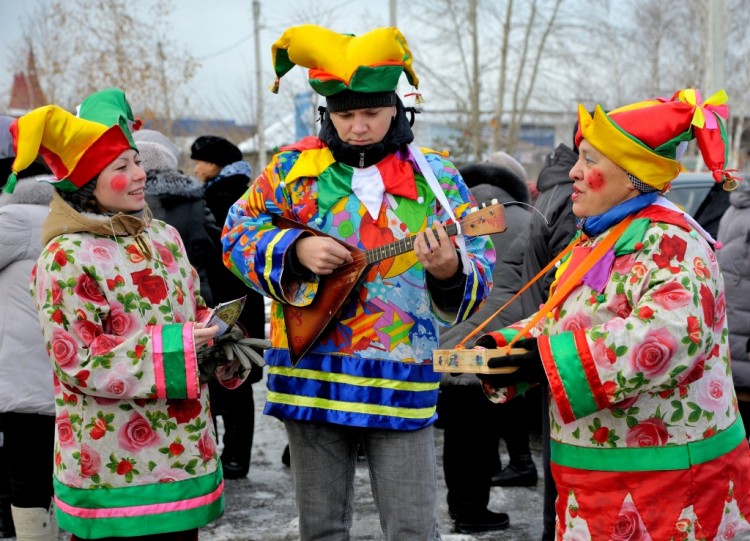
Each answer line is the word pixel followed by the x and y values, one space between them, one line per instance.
pixel 26 93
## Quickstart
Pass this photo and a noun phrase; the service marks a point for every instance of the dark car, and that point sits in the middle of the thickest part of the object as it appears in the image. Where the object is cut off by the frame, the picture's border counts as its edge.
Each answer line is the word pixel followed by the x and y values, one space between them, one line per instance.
pixel 701 197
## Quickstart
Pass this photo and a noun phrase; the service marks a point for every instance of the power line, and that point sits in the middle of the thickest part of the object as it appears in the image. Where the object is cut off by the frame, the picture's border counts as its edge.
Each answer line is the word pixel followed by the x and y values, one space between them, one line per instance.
pixel 227 48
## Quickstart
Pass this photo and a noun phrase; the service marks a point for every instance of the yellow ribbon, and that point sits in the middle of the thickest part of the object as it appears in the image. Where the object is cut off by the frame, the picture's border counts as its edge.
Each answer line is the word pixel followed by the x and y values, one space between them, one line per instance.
pixel 692 97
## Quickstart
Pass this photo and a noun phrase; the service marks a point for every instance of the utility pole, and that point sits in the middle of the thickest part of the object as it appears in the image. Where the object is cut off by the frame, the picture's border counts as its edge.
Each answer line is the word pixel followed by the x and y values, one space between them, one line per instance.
pixel 717 46
pixel 392 12
pixel 260 125
pixel 164 88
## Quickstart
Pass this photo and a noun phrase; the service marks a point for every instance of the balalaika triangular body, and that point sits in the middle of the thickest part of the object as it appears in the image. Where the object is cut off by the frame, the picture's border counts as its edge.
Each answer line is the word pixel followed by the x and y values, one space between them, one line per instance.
pixel 306 324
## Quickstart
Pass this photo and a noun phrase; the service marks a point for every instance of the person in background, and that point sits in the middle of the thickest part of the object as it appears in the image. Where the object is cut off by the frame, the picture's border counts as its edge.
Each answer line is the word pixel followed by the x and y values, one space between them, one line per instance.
pixel 506 160
pixel 521 470
pixel 734 259
pixel 368 378
pixel 119 305
pixel 145 135
pixel 177 199
pixel 468 419
pixel 225 177
pixel 633 340
pixel 27 406
pixel 551 230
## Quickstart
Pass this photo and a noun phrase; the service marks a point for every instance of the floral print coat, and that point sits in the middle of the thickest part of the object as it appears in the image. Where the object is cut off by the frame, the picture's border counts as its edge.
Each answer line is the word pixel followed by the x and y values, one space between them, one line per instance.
pixel 646 439
pixel 135 448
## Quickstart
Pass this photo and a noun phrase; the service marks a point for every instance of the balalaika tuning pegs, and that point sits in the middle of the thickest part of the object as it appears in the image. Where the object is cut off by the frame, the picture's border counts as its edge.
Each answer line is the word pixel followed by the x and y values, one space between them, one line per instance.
pixel 474 209
pixel 494 201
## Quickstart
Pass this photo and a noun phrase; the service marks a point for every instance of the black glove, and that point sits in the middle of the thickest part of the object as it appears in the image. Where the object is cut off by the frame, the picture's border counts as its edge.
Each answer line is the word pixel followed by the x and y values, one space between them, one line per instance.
pixel 209 358
pixel 530 367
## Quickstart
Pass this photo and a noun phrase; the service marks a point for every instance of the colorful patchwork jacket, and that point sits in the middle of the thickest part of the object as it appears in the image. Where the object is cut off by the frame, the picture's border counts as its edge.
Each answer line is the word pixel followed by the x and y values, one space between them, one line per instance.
pixel 135 448
pixel 372 368
pixel 646 439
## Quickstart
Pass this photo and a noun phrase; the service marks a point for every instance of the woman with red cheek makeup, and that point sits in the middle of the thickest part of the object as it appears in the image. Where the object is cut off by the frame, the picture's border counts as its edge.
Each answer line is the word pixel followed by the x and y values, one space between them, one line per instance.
pixel 646 439
pixel 118 302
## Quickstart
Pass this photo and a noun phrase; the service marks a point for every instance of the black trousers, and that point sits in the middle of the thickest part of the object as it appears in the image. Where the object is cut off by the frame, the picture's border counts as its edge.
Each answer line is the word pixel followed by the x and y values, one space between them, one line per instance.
pixel 237 410
pixel 471 426
pixel 28 445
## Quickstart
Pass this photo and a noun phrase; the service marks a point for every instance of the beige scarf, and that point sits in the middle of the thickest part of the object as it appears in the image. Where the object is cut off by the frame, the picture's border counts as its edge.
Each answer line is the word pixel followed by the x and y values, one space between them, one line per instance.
pixel 64 219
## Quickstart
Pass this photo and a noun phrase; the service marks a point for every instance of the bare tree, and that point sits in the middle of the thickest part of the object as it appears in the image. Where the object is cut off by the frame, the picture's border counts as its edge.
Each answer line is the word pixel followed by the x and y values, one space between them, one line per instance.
pixel 489 63
pixel 86 45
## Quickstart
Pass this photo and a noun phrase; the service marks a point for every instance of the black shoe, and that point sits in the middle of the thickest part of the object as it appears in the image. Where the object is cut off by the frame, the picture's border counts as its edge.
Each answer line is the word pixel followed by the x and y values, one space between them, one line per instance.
pixel 233 469
pixel 286 458
pixel 6 523
pixel 520 474
pixel 484 521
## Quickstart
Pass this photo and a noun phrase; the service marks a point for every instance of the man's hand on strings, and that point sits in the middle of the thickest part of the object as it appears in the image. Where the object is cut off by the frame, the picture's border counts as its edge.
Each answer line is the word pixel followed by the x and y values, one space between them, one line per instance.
pixel 436 252
pixel 321 255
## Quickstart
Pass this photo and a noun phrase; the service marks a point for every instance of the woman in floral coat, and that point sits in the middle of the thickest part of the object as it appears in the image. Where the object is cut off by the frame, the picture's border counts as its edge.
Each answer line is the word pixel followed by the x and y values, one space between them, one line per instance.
pixel 135 451
pixel 646 439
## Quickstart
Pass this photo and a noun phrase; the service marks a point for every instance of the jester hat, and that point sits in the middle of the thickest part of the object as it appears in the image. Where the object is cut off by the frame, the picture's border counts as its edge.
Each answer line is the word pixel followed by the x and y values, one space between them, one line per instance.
pixel 646 138
pixel 76 148
pixel 370 63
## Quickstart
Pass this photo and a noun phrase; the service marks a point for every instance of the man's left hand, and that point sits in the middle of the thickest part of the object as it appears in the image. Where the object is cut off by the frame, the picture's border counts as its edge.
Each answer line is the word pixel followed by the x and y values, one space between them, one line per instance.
pixel 436 252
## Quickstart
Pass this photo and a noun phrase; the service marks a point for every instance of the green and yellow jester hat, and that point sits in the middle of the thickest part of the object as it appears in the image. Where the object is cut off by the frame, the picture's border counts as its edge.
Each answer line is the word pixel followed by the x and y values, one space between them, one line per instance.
pixel 352 72
pixel 646 138
pixel 76 148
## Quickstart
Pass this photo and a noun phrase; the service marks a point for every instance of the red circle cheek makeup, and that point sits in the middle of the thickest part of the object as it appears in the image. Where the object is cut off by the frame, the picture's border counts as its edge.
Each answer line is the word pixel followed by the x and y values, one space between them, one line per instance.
pixel 119 183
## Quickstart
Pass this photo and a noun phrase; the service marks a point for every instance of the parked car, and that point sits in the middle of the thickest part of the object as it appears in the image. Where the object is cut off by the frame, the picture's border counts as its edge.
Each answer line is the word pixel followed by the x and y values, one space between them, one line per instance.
pixel 701 197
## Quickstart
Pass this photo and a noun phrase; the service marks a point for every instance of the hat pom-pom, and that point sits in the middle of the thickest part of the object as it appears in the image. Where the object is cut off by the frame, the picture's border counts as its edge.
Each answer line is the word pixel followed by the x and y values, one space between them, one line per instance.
pixel 275 86
pixel 11 184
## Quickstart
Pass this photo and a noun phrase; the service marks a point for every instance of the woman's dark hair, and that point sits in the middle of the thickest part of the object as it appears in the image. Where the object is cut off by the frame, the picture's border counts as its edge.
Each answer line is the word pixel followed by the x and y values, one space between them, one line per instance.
pixel 83 200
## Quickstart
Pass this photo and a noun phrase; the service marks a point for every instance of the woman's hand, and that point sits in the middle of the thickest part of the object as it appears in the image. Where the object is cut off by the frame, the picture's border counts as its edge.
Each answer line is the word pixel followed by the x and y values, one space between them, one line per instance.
pixel 436 253
pixel 203 335
pixel 321 255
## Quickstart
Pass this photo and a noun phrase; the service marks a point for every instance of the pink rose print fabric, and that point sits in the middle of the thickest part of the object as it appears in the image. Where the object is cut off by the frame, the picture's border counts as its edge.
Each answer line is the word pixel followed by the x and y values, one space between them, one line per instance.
pixel 641 394
pixel 103 307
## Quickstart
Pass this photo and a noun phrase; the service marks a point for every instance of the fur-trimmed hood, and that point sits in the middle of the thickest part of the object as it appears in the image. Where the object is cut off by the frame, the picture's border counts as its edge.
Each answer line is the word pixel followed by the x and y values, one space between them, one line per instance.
pixel 496 175
pixel 163 182
pixel 29 191
pixel 64 219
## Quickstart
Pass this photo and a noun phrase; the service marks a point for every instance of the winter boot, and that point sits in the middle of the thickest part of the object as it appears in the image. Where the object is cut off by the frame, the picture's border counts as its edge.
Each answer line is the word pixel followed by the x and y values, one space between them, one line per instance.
pixel 6 519
pixel 35 524
pixel 521 472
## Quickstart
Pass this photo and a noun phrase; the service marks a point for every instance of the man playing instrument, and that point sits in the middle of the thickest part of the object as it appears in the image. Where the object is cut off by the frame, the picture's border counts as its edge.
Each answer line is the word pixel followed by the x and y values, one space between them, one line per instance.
pixel 368 377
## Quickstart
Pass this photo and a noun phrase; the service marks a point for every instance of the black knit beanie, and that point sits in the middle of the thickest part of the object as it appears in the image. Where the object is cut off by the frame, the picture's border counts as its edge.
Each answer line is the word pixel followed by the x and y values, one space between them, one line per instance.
pixel 348 100
pixel 214 149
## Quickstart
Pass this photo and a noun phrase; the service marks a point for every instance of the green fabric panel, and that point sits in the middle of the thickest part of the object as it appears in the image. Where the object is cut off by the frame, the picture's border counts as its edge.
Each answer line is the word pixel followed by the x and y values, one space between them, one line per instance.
pixel 630 459
pixel 412 212
pixel 724 136
pixel 669 148
pixel 634 234
pixel 174 360
pixel 572 376
pixel 334 183
pixel 329 87
pixel 508 333
pixel 138 495
pixel 141 525
pixel 375 78
pixel 283 64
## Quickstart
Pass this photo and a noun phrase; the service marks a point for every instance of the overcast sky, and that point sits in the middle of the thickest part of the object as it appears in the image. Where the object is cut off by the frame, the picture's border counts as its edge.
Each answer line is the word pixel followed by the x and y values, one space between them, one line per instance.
pixel 219 33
